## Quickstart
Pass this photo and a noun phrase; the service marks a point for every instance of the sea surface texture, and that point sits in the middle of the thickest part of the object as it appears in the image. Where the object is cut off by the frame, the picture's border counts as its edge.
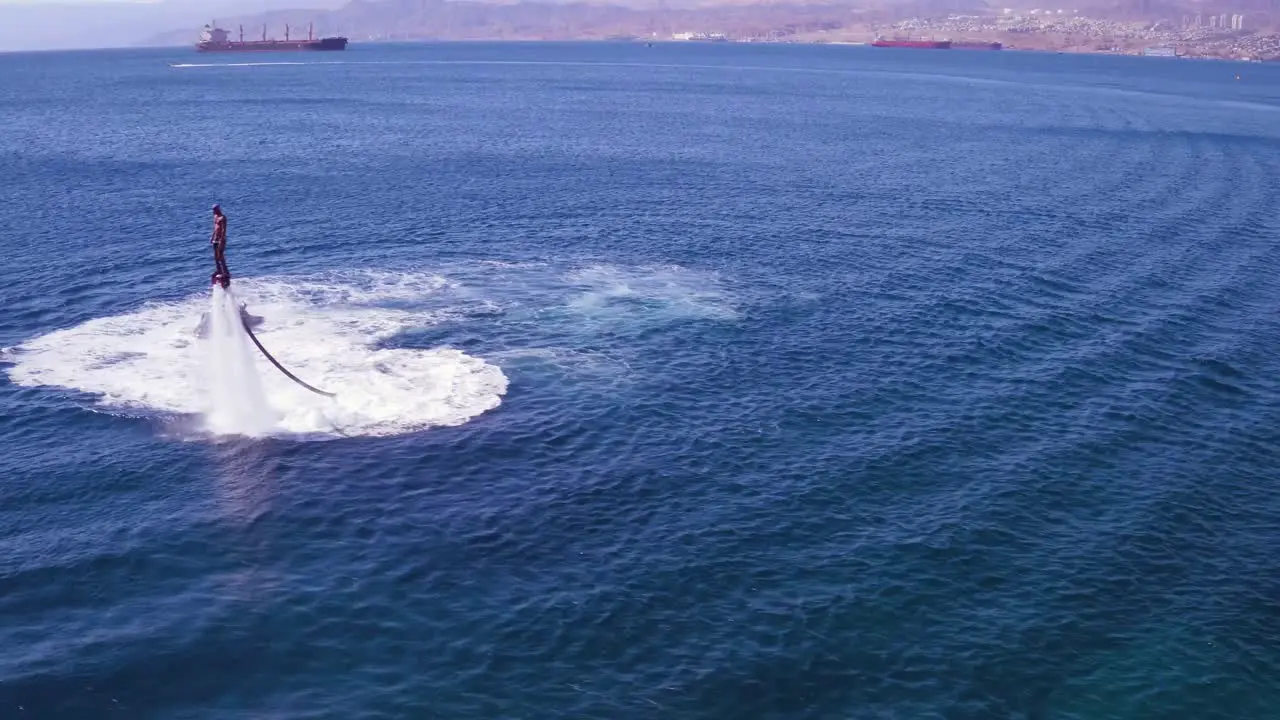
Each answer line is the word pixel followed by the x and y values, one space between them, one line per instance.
pixel 685 381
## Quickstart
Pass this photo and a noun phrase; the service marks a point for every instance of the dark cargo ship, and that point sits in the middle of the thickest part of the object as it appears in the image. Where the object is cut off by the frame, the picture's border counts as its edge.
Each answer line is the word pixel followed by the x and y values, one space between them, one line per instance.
pixel 975 45
pixel 215 39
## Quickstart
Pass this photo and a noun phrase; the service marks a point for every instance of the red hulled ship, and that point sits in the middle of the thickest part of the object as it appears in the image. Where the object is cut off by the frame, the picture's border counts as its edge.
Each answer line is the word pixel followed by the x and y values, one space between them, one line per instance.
pixel 926 44
pixel 215 39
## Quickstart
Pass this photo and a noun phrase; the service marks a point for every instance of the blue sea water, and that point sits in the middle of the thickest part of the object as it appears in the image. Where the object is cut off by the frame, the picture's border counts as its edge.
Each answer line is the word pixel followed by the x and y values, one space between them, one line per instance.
pixel 680 381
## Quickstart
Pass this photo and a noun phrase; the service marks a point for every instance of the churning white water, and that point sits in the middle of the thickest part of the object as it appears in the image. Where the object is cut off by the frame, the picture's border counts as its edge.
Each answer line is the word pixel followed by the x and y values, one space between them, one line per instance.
pixel 232 394
pixel 330 334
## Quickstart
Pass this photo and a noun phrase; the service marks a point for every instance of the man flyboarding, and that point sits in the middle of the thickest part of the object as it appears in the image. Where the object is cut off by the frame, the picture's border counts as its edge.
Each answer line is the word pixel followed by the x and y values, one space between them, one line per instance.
pixel 221 275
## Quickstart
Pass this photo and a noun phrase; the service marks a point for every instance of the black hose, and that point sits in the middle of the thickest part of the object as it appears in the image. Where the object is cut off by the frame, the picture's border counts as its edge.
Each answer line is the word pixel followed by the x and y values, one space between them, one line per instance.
pixel 279 367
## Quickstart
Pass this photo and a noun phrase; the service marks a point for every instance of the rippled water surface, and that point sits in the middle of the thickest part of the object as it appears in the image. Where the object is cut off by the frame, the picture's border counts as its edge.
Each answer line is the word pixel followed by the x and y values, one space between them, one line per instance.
pixel 672 382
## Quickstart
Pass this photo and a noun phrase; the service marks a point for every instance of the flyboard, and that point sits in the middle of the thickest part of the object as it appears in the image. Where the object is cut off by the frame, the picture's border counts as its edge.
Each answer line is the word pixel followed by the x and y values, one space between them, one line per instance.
pixel 249 322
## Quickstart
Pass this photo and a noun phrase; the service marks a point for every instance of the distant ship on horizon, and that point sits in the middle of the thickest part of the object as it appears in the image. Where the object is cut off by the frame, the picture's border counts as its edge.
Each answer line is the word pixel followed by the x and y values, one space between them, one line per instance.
pixel 908 43
pixel 936 44
pixel 215 39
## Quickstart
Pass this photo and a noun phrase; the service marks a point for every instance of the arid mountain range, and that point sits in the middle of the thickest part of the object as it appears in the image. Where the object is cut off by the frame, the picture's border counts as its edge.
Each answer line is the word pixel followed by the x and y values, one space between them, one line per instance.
pixel 789 19
pixel 486 20
pixel 38 24
pixel 69 24
pixel 367 20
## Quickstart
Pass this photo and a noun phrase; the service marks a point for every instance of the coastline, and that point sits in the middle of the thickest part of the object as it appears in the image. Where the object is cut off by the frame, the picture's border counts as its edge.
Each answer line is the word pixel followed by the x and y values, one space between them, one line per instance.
pixel 1007 46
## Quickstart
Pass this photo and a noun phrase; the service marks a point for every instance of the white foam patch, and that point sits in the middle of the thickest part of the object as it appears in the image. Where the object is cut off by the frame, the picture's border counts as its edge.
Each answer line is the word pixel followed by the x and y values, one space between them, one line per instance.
pixel 326 333
pixel 232 396
pixel 673 292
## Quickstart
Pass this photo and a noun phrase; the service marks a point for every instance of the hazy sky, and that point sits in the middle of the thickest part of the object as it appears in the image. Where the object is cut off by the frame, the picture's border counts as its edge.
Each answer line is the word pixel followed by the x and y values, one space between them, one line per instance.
pixel 51 25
